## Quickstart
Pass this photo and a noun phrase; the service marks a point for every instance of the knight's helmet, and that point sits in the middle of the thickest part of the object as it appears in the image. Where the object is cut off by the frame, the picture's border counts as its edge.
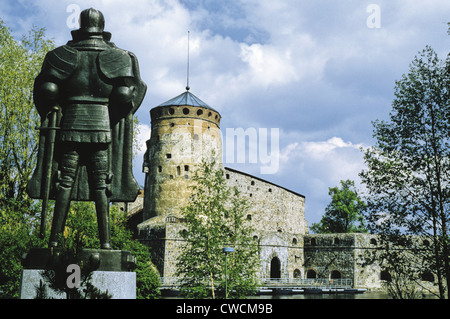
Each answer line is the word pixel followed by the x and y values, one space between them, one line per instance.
pixel 92 22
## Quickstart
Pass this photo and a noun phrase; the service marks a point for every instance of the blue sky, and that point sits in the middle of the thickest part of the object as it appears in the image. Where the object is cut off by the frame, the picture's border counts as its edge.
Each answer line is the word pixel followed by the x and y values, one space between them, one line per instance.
pixel 316 70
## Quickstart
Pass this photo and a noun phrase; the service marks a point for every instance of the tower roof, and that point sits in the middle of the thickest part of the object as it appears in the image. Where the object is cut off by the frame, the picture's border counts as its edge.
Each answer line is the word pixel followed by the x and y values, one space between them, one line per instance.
pixel 186 98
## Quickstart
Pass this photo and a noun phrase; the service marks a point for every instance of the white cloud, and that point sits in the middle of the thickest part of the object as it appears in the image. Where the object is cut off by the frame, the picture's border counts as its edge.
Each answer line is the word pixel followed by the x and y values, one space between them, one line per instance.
pixel 312 68
pixel 323 150
pixel 333 159
pixel 268 65
pixel 311 167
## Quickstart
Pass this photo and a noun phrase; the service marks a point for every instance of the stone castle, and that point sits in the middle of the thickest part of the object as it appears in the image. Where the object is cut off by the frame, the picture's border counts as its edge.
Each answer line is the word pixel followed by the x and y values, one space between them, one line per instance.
pixel 185 130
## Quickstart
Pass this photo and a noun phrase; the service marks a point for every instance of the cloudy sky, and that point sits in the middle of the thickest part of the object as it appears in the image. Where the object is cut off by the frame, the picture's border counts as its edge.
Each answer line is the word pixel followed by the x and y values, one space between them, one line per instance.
pixel 318 71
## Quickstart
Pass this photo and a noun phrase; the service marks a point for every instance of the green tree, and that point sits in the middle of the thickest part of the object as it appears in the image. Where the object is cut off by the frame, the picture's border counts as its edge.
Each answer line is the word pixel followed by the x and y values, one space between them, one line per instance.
pixel 408 170
pixel 344 213
pixel 215 218
pixel 19 64
pixel 82 232
pixel 17 236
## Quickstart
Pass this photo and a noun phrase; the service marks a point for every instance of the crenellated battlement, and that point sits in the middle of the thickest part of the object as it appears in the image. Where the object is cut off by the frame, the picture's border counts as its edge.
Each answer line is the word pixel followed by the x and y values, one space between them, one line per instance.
pixel 170 112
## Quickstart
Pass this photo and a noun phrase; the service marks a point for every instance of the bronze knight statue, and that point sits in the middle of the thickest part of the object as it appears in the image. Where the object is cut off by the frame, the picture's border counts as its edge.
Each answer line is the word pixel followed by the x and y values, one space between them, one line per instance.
pixel 86 95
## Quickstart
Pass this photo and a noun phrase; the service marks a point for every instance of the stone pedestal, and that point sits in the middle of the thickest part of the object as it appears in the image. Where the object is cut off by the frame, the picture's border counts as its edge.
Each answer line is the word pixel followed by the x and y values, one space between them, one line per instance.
pixel 111 271
pixel 118 284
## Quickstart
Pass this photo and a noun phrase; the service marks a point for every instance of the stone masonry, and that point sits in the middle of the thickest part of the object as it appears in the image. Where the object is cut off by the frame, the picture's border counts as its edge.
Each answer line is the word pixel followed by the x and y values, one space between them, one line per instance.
pixel 185 130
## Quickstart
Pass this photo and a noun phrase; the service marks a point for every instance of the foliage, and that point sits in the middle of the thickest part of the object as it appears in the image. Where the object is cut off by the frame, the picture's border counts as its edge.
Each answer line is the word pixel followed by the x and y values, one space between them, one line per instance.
pixel 404 270
pixel 147 275
pixel 408 170
pixel 402 287
pixel 215 218
pixel 82 231
pixel 344 213
pixel 20 63
pixel 17 235
pixel 56 276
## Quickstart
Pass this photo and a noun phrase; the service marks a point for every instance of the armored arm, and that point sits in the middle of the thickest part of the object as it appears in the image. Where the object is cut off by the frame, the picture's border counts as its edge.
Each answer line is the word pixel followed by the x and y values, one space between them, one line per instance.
pixel 58 65
pixel 120 67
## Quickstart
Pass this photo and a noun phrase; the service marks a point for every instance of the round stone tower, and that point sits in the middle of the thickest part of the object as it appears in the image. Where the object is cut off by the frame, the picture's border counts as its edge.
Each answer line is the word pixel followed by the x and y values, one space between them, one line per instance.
pixel 184 131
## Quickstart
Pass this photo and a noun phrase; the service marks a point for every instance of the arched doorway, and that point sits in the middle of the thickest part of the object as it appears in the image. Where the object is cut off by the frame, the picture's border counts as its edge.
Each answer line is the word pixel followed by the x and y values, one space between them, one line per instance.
pixel 335 274
pixel 275 268
pixel 385 275
pixel 311 274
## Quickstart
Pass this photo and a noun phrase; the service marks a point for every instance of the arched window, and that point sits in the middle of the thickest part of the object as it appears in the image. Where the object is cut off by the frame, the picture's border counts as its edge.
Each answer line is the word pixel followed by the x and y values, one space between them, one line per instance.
pixel 311 274
pixel 336 241
pixel 297 273
pixel 428 276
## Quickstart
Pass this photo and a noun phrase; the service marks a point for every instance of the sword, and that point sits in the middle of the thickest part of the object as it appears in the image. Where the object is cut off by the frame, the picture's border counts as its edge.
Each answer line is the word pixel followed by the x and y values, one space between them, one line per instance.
pixel 49 151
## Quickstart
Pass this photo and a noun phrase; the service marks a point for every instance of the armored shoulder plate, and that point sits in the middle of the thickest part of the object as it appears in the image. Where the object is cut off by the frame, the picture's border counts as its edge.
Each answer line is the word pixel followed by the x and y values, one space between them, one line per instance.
pixel 115 63
pixel 60 62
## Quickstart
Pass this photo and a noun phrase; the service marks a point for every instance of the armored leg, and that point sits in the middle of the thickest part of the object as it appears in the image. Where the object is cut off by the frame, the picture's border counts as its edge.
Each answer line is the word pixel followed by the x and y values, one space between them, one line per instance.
pixel 69 166
pixel 102 209
pixel 99 172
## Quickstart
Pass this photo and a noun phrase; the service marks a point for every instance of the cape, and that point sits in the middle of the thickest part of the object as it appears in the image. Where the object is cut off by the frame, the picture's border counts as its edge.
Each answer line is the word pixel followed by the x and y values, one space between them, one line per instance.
pixel 123 185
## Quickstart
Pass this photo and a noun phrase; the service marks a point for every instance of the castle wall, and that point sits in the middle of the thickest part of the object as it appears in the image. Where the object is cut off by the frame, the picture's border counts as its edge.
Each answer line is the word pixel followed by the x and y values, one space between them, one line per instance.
pixel 340 256
pixel 329 256
pixel 278 216
pixel 272 208
pixel 182 136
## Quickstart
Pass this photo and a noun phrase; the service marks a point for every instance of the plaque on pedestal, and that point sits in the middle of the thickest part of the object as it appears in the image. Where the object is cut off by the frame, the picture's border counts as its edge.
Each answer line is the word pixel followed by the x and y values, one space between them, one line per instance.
pixel 107 272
